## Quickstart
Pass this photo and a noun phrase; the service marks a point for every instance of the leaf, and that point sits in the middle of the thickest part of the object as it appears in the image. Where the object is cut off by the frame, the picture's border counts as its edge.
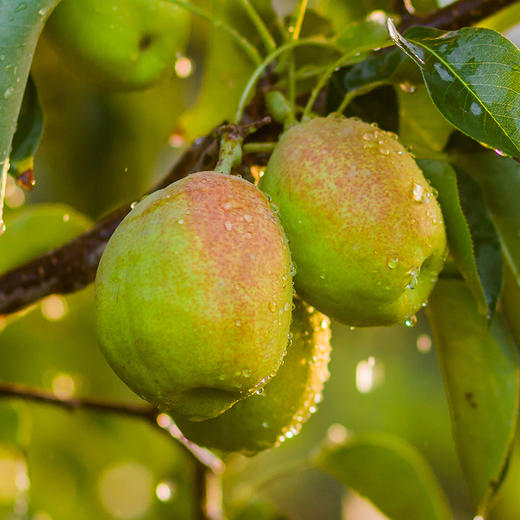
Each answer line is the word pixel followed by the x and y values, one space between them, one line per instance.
pixel 20 27
pixel 444 179
pixel 28 132
pixel 473 77
pixel 480 372
pixel 390 473
pixel 421 126
pixel 499 179
pixel 364 35
pixel 36 229
pixel 486 243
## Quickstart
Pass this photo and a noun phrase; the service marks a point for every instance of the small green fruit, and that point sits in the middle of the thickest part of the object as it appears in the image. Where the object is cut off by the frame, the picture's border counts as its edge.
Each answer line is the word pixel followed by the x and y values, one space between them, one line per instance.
pixel 123 44
pixel 365 229
pixel 194 295
pixel 285 403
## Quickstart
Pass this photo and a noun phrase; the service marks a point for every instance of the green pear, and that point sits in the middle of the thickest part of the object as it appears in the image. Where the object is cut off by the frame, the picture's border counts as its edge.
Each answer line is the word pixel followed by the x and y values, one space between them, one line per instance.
pixel 365 229
pixel 122 44
pixel 194 295
pixel 278 411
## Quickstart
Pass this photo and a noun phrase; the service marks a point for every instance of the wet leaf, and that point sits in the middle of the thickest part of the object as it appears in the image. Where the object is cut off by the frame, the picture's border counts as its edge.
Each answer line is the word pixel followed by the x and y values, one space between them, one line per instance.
pixel 480 372
pixel 380 466
pixel 20 27
pixel 460 243
pixel 499 179
pixel 473 77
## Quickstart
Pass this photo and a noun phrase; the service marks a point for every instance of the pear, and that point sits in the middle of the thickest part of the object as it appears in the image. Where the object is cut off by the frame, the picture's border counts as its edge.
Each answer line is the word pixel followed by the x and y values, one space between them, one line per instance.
pixel 122 44
pixel 365 229
pixel 278 411
pixel 194 295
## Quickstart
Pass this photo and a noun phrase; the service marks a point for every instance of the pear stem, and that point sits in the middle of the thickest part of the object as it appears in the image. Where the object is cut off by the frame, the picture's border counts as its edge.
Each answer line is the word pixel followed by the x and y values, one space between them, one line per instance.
pixel 269 59
pixel 352 94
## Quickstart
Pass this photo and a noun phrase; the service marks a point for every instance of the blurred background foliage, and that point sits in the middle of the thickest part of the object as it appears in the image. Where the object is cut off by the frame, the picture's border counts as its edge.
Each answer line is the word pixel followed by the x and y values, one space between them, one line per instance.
pixel 100 149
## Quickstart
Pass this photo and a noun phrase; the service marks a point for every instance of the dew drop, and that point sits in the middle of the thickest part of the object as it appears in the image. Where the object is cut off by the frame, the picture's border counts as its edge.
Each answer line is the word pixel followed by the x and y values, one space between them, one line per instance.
pixel 272 306
pixel 248 218
pixel 228 225
pixel 180 221
pixel 8 91
pixel 407 87
pixel 226 206
pixel 392 262
pixel 417 192
pixel 238 323
pixel 411 322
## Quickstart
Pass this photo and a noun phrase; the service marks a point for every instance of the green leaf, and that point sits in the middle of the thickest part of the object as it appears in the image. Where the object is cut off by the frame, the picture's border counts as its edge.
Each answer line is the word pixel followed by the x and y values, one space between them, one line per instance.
pixel 480 372
pixel 486 243
pixel 36 229
pixel 444 179
pixel 390 473
pixel 473 77
pixel 28 131
pixel 20 27
pixel 499 179
pixel 364 35
pixel 421 126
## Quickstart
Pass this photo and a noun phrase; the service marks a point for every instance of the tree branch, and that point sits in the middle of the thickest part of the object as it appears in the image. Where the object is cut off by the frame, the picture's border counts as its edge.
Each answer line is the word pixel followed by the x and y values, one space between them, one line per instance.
pixel 159 420
pixel 73 266
pixel 456 15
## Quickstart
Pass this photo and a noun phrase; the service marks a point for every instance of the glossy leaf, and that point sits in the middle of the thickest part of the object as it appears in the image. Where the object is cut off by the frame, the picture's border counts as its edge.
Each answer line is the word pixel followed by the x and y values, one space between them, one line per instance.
pixel 473 76
pixel 421 126
pixel 20 27
pixel 486 243
pixel 499 179
pixel 480 372
pixel 444 179
pixel 28 131
pixel 380 467
pixel 36 229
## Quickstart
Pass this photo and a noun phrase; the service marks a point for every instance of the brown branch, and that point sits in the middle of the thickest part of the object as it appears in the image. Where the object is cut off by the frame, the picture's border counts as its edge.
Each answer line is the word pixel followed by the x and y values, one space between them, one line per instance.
pixel 459 14
pixel 73 266
pixel 147 413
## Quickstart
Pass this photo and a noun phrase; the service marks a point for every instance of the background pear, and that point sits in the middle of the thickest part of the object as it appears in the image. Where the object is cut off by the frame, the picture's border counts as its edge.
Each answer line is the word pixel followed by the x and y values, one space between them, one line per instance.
pixel 194 295
pixel 365 230
pixel 123 44
pixel 285 403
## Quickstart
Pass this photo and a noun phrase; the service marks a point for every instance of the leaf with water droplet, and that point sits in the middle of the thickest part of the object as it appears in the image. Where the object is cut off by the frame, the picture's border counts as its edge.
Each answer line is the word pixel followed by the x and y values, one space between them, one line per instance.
pixel 460 241
pixel 470 78
pixel 480 371
pixel 380 466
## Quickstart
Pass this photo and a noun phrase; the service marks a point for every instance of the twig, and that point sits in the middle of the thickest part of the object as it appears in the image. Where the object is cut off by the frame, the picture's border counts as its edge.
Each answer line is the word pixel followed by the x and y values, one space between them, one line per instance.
pixel 145 412
pixel 73 266
pixel 456 15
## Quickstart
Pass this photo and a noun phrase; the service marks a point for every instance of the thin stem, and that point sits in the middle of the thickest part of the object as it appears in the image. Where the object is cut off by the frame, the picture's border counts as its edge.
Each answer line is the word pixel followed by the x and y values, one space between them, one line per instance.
pixel 258 147
pixel 300 13
pixel 280 50
pixel 267 37
pixel 208 494
pixel 321 83
pixel 143 412
pixel 352 94
pixel 246 45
